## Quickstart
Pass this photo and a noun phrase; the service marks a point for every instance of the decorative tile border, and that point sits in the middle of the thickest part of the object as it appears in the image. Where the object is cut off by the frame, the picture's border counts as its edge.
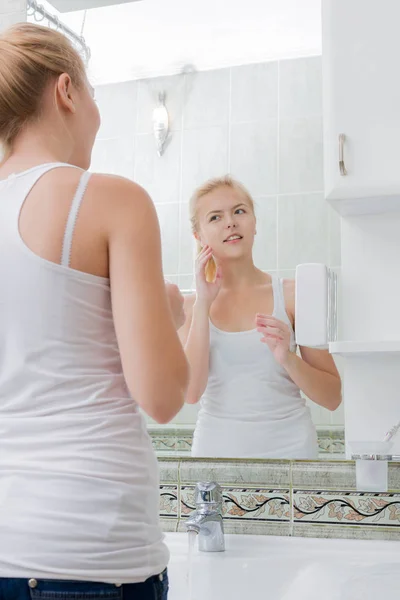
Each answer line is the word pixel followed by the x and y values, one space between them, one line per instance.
pixel 169 501
pixel 346 508
pixel 248 504
pixel 271 497
pixel 171 441
pixel 179 440
pixel 331 441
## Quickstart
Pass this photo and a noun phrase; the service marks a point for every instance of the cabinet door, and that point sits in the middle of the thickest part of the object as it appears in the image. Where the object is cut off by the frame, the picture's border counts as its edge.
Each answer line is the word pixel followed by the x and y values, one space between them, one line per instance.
pixel 361 92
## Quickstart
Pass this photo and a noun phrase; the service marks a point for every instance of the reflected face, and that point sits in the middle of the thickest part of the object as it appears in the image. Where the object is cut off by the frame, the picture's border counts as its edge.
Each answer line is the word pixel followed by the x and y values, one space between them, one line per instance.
pixel 226 223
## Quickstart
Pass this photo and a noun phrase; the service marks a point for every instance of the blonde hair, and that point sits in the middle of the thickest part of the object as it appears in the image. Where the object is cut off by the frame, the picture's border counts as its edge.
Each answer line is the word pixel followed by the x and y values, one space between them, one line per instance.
pixel 30 56
pixel 208 187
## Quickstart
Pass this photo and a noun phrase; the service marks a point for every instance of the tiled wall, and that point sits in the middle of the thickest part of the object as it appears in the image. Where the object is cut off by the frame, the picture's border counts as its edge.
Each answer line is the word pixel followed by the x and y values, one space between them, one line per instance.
pixel 263 124
pixel 303 499
pixel 175 440
pixel 11 11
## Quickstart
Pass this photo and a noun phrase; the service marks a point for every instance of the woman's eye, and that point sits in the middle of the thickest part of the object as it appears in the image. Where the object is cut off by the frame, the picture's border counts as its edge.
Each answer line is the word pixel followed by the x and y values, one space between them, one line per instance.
pixel 240 211
pixel 214 218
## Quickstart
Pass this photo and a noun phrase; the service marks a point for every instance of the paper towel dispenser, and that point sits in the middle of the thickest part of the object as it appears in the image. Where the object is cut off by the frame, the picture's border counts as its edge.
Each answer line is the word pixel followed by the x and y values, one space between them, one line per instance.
pixel 316 305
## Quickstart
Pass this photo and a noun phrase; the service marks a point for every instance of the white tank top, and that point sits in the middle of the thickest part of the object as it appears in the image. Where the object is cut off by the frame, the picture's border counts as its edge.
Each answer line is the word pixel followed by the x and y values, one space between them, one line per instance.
pixel 79 491
pixel 251 408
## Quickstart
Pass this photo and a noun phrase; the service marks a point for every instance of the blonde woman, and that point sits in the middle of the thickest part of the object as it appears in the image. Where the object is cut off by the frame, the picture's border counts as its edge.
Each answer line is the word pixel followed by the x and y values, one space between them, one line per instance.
pixel 239 338
pixel 86 324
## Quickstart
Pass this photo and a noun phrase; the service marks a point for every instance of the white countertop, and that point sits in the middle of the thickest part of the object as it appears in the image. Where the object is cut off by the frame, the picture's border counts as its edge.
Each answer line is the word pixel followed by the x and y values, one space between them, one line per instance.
pixel 284 568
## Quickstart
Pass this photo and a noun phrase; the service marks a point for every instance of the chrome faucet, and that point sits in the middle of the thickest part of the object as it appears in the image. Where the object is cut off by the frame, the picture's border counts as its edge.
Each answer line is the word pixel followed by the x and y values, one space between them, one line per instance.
pixel 207 520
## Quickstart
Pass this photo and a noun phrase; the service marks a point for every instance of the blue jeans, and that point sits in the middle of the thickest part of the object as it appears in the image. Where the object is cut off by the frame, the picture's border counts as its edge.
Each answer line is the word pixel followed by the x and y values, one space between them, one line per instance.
pixel 154 588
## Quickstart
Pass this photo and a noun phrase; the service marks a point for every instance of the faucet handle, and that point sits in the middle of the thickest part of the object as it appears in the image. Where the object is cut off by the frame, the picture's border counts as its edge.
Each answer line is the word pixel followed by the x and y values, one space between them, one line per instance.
pixel 208 493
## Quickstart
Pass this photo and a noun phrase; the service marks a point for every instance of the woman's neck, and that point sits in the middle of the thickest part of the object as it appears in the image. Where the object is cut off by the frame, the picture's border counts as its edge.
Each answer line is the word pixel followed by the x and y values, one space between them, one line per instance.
pixel 240 273
pixel 35 146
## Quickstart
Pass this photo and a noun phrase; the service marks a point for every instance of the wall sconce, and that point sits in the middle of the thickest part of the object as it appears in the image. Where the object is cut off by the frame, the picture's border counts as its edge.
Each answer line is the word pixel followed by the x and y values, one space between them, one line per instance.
pixel 160 124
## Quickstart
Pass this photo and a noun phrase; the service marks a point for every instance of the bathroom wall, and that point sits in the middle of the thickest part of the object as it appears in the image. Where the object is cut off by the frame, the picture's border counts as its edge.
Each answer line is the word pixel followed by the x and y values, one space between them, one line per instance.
pixel 11 11
pixel 263 124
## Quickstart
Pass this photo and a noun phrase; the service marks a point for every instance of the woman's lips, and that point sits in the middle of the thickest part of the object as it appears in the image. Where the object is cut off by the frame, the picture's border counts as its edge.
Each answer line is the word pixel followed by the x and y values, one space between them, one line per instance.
pixel 233 241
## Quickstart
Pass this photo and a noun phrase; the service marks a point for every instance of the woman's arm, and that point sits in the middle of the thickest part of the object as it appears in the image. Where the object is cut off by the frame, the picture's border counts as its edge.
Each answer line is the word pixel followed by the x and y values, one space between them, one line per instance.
pixel 153 361
pixel 316 375
pixel 195 335
pixel 315 372
pixel 195 338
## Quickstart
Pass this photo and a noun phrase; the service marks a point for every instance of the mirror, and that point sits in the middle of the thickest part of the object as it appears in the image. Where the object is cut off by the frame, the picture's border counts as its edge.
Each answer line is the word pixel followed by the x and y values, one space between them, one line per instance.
pixel 187 94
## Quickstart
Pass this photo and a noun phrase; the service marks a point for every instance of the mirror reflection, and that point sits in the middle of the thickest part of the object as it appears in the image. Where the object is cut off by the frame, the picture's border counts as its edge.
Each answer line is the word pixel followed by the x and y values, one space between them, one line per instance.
pixel 223 128
pixel 239 338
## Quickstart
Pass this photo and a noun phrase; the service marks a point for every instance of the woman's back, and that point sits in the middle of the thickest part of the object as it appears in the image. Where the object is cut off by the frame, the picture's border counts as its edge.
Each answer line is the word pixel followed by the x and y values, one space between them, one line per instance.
pixel 78 475
pixel 87 336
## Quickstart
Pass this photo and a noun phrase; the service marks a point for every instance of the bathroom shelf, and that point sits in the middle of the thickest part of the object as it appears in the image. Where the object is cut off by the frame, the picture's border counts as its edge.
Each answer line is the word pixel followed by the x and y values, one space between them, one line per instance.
pixel 367 205
pixel 365 348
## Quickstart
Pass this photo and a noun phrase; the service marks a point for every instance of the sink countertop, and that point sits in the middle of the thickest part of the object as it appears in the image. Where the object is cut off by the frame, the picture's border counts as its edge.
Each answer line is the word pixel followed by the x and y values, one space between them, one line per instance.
pixel 285 568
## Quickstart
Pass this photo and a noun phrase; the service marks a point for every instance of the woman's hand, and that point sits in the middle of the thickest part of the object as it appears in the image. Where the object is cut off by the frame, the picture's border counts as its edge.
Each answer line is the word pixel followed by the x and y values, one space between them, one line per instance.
pixel 276 334
pixel 175 300
pixel 206 292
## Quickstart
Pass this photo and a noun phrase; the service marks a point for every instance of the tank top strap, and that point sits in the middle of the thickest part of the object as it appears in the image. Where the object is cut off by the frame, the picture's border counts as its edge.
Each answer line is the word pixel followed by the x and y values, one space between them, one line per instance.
pixel 73 214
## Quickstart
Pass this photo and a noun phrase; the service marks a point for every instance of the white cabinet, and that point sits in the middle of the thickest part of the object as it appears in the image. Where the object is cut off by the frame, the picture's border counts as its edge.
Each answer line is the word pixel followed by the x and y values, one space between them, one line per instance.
pixel 361 94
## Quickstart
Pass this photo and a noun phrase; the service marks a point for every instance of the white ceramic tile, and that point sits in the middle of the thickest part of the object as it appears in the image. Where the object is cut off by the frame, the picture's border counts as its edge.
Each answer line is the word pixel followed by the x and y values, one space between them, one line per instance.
pixel 335 256
pixel 117 106
pixel 148 92
pixel 204 155
pixel 187 281
pixel 324 475
pixel 315 530
pixel 338 415
pixel 169 471
pixel 171 278
pixel 287 273
pixel 8 7
pixel 254 92
pixel 272 473
pixel 206 99
pixel 168 215
pixel 338 272
pixel 300 87
pixel 300 155
pixel 302 230
pixel 186 241
pixel 253 156
pixel 114 156
pixel 187 415
pixel 159 175
pixel 8 19
pixel 264 252
pixel 325 416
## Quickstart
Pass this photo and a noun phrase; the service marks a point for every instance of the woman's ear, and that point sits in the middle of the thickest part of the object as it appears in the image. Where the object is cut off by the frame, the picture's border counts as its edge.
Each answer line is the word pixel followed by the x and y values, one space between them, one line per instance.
pixel 198 238
pixel 65 93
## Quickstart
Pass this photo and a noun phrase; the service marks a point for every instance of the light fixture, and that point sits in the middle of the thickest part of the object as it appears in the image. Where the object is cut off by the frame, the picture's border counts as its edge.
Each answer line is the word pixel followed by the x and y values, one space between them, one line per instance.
pixel 160 124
